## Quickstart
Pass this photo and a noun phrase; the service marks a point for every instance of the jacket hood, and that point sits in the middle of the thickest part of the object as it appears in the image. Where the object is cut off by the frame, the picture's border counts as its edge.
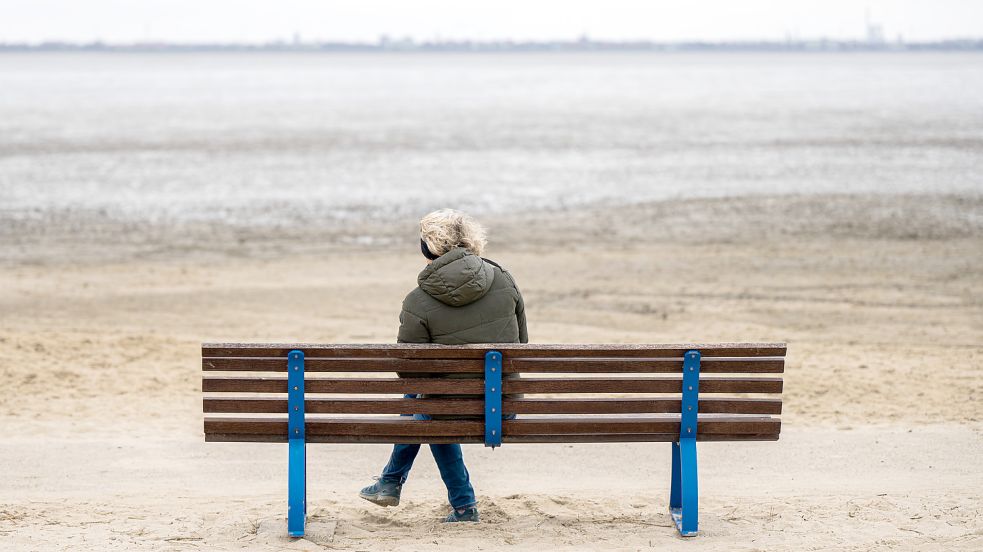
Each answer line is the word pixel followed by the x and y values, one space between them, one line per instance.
pixel 457 278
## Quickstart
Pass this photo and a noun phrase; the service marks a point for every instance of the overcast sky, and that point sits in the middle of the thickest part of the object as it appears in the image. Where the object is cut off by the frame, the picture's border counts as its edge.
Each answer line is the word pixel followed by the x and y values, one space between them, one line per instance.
pixel 366 20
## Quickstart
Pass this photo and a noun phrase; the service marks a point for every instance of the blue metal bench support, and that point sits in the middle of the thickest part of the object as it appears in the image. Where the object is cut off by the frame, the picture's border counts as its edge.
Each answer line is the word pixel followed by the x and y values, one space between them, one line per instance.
pixel 684 488
pixel 493 399
pixel 297 470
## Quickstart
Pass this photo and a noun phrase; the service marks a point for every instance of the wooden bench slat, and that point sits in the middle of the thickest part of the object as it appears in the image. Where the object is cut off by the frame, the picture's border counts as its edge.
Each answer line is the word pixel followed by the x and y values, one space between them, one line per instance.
pixel 569 426
pixel 267 405
pixel 582 438
pixel 770 365
pixel 392 365
pixel 668 384
pixel 346 426
pixel 707 405
pixel 510 350
pixel 640 385
pixel 401 426
pixel 774 365
pixel 278 384
pixel 634 438
pixel 263 405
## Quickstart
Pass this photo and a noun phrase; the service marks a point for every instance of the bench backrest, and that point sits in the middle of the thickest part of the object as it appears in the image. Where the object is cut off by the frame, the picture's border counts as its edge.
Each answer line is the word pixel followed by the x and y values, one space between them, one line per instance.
pixel 571 393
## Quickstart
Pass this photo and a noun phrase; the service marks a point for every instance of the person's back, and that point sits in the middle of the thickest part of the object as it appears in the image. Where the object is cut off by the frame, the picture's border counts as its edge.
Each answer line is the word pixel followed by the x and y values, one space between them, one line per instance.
pixel 460 298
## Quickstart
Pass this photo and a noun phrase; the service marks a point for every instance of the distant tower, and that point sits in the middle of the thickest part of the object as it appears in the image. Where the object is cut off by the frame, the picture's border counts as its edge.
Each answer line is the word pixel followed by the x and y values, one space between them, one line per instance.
pixel 875 31
pixel 583 41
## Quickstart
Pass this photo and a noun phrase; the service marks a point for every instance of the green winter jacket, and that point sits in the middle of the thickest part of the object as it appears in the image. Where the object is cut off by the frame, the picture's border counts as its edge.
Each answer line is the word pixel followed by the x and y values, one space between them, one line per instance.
pixel 462 298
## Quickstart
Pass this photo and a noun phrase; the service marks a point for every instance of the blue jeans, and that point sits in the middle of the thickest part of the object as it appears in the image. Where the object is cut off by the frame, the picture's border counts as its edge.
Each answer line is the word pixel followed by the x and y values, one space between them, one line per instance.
pixel 450 462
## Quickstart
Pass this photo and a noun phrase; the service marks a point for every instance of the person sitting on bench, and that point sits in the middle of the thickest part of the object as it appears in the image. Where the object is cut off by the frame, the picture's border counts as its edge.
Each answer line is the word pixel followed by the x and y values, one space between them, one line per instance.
pixel 460 298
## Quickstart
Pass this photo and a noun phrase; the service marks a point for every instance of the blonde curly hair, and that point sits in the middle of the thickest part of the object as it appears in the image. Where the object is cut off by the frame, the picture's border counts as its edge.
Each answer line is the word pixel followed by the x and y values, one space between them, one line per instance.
pixel 445 229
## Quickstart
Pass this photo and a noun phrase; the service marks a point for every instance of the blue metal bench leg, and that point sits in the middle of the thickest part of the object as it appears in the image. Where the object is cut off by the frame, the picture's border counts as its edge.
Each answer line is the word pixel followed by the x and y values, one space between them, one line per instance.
pixel 684 494
pixel 297 492
pixel 297 466
pixel 684 487
pixel 675 492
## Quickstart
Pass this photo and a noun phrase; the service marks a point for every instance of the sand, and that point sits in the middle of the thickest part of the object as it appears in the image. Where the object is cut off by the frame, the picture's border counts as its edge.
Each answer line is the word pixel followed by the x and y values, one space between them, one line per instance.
pixel 879 298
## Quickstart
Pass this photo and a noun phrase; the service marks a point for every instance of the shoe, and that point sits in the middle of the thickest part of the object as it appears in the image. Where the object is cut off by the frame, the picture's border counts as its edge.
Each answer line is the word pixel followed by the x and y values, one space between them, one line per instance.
pixel 470 514
pixel 382 492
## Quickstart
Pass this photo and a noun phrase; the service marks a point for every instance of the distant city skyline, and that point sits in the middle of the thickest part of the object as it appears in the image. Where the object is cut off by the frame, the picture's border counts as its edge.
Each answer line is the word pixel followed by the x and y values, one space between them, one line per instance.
pixel 365 21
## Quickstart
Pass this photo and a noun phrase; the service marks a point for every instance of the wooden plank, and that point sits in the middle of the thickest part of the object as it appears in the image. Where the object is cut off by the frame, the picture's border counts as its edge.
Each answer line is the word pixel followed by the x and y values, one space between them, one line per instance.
pixel 520 365
pixel 640 406
pixel 278 384
pixel 653 365
pixel 266 405
pixel 584 438
pixel 477 351
pixel 391 365
pixel 250 405
pixel 671 384
pixel 633 438
pixel 351 439
pixel 400 426
pixel 569 426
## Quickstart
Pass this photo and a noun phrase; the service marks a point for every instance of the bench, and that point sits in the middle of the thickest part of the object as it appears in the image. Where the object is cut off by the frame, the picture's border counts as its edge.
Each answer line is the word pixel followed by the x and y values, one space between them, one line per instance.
pixel 569 394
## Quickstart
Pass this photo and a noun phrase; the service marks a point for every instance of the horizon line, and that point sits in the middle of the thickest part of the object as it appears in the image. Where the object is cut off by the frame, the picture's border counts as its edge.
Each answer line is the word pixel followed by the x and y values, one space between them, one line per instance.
pixel 387 44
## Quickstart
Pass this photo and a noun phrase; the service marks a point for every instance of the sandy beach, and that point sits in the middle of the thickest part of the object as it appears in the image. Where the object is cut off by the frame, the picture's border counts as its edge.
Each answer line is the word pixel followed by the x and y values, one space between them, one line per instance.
pixel 878 297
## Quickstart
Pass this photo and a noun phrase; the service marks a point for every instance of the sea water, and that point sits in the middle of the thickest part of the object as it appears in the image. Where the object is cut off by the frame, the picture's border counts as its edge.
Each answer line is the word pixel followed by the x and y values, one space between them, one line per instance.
pixel 270 138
